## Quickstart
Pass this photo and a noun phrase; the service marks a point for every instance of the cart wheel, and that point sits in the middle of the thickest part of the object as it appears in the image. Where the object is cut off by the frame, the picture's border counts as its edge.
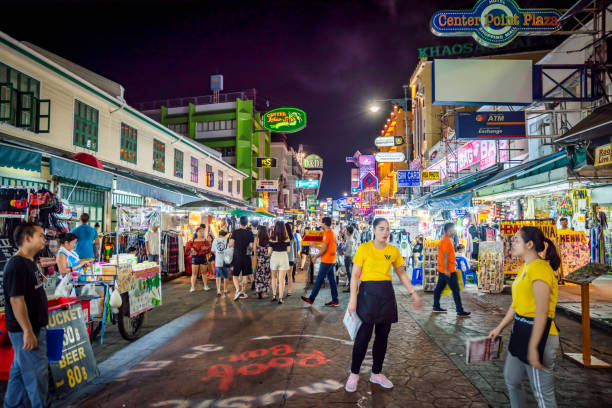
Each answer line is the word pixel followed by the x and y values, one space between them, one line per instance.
pixel 129 326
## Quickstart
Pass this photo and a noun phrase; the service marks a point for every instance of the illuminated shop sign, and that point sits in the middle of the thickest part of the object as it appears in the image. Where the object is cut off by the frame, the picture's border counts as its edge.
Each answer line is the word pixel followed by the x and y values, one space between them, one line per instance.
pixel 284 120
pixel 490 125
pixel 495 23
pixel 266 162
pixel 313 161
pixel 306 183
pixel 390 157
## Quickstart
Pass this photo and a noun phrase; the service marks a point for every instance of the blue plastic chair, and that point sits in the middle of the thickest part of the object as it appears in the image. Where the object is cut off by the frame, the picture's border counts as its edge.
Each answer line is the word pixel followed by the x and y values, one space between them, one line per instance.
pixel 463 265
pixel 417 276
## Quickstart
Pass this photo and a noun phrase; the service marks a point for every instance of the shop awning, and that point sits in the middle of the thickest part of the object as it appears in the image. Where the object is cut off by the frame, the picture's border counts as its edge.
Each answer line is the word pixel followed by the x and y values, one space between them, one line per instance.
pixel 597 125
pixel 80 172
pixel 19 158
pixel 154 191
pixel 538 166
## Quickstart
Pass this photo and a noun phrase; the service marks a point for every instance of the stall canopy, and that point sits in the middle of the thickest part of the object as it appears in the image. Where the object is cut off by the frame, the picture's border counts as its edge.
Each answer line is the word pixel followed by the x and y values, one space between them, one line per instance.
pixel 158 192
pixel 263 212
pixel 19 158
pixel 596 125
pixel 532 168
pixel 80 172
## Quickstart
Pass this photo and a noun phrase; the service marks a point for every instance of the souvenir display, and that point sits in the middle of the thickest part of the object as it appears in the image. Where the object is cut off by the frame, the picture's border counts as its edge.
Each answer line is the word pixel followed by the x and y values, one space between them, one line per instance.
pixel 574 249
pixel 430 264
pixel 490 267
pixel 512 265
pixel 588 273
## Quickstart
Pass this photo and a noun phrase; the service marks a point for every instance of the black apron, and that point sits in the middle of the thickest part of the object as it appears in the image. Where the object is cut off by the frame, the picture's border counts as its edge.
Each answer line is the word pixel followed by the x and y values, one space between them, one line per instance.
pixel 376 302
pixel 521 333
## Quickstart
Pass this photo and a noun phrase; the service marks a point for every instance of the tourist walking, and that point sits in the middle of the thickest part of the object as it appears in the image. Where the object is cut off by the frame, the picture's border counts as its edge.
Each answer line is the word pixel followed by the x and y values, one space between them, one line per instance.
pixel 350 246
pixel 374 302
pixel 447 271
pixel 219 245
pixel 326 268
pixel 86 235
pixel 293 251
pixel 242 241
pixel 27 316
pixel 279 260
pixel 535 338
pixel 199 248
pixel 262 272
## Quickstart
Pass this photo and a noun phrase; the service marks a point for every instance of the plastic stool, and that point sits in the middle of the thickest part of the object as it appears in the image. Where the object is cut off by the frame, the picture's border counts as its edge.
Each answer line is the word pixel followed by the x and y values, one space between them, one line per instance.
pixel 417 276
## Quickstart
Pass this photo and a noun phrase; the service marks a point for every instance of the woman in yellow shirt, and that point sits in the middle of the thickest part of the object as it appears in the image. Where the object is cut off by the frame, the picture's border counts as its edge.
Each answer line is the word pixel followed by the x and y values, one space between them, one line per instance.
pixel 375 303
pixel 534 340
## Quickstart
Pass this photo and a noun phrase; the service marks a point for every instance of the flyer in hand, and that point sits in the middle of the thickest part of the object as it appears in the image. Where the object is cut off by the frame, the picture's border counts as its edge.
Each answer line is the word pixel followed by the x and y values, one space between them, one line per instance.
pixel 481 349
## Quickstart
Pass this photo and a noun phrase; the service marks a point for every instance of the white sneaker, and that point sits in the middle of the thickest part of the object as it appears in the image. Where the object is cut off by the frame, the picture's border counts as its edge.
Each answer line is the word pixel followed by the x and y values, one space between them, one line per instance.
pixel 381 380
pixel 206 288
pixel 351 383
pixel 192 289
pixel 243 295
pixel 237 295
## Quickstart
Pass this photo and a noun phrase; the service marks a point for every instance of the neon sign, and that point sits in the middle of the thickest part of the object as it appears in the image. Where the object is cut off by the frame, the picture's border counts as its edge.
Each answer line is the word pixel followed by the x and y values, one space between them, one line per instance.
pixel 284 120
pixel 495 23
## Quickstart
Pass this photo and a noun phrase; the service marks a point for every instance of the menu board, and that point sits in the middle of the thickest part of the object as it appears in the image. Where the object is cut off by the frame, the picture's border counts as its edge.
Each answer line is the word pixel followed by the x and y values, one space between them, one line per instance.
pixel 574 248
pixel 512 265
pixel 78 363
pixel 588 273
pixel 145 290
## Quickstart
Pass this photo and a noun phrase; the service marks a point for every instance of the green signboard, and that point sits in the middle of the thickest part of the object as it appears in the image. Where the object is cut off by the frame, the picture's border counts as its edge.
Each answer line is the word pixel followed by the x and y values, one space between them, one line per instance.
pixel 313 161
pixel 284 120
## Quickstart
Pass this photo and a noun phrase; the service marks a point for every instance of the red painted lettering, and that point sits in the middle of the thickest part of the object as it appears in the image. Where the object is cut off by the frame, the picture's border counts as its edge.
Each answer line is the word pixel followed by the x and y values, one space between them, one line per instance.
pixel 281 350
pixel 281 362
pixel 253 354
pixel 225 374
pixel 252 369
pixel 316 358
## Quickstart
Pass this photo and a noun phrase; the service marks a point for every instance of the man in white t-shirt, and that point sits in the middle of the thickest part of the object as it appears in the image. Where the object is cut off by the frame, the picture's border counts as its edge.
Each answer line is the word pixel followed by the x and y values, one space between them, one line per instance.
pixel 152 243
pixel 219 246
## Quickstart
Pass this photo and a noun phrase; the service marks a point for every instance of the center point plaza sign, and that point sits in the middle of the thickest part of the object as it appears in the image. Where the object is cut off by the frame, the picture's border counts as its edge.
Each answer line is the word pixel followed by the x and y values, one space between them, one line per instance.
pixel 495 23
pixel 284 120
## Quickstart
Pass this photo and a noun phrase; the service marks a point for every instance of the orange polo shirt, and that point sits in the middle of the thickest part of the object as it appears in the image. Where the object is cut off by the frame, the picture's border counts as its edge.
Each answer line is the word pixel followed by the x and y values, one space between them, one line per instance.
pixel 446 245
pixel 330 254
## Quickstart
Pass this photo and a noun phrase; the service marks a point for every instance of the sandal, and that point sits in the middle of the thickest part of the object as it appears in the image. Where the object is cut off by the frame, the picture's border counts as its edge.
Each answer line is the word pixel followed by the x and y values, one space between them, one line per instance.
pixel 273 298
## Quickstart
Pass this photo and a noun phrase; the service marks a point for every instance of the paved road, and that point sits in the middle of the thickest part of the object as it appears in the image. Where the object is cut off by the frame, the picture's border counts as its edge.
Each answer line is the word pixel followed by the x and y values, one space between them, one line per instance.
pixel 257 353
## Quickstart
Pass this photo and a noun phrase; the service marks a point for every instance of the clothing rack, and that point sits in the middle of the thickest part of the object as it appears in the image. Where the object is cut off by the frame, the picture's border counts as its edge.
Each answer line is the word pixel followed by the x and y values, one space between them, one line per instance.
pixel 170 252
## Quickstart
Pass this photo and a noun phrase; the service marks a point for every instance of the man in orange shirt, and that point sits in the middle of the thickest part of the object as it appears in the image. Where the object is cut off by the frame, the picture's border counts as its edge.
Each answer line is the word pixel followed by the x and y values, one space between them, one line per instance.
pixel 328 260
pixel 447 273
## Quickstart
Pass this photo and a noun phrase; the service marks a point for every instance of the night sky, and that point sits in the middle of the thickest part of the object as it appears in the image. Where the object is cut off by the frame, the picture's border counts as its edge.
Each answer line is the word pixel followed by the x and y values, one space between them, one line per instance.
pixel 325 57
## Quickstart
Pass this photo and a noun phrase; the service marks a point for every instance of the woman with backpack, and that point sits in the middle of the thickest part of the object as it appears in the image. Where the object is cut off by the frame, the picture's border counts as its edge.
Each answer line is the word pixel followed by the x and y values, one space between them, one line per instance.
pixel 262 272
pixel 535 338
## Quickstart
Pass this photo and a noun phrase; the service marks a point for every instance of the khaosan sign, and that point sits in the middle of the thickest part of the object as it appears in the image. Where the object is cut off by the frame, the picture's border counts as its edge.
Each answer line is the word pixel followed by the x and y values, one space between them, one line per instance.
pixel 490 125
pixel 284 120
pixel 306 183
pixel 390 157
pixel 495 23
pixel 265 162
pixel 313 161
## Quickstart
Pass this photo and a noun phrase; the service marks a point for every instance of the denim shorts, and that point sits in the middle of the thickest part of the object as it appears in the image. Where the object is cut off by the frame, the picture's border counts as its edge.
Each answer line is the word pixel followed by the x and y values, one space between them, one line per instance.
pixel 222 272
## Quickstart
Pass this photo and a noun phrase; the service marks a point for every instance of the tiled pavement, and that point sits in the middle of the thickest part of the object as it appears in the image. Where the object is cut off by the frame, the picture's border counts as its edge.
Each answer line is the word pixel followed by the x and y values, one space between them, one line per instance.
pixel 425 360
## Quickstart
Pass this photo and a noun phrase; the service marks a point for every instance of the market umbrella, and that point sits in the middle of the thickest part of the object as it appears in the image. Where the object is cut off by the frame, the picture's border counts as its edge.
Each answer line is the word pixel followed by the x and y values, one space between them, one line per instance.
pixel 263 212
pixel 239 213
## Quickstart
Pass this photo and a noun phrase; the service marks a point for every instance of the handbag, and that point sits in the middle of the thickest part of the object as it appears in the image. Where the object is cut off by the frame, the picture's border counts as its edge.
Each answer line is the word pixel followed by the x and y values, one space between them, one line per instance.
pixel 521 333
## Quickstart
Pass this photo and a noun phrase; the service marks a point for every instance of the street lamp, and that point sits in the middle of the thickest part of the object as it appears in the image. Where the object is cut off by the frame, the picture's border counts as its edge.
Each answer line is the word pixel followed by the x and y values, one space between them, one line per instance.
pixel 345 194
pixel 405 104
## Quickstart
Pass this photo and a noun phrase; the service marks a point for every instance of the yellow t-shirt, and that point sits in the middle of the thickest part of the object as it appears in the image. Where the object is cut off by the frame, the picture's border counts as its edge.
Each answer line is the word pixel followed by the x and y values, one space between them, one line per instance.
pixel 376 263
pixel 523 300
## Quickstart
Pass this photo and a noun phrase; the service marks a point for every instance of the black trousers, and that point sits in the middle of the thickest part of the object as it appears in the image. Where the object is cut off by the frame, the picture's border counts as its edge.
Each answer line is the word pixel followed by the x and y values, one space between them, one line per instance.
pixel 379 349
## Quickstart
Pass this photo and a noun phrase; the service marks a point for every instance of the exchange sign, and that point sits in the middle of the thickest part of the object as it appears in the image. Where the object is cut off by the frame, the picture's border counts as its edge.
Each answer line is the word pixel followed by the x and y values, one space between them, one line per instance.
pixel 390 157
pixel 430 175
pixel 495 23
pixel 490 125
pixel 284 120
pixel 408 178
pixel 266 162
pixel 306 183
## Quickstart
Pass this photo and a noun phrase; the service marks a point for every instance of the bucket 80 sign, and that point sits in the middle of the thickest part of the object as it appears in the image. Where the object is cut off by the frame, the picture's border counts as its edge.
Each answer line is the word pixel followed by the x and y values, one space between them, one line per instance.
pixel 495 23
